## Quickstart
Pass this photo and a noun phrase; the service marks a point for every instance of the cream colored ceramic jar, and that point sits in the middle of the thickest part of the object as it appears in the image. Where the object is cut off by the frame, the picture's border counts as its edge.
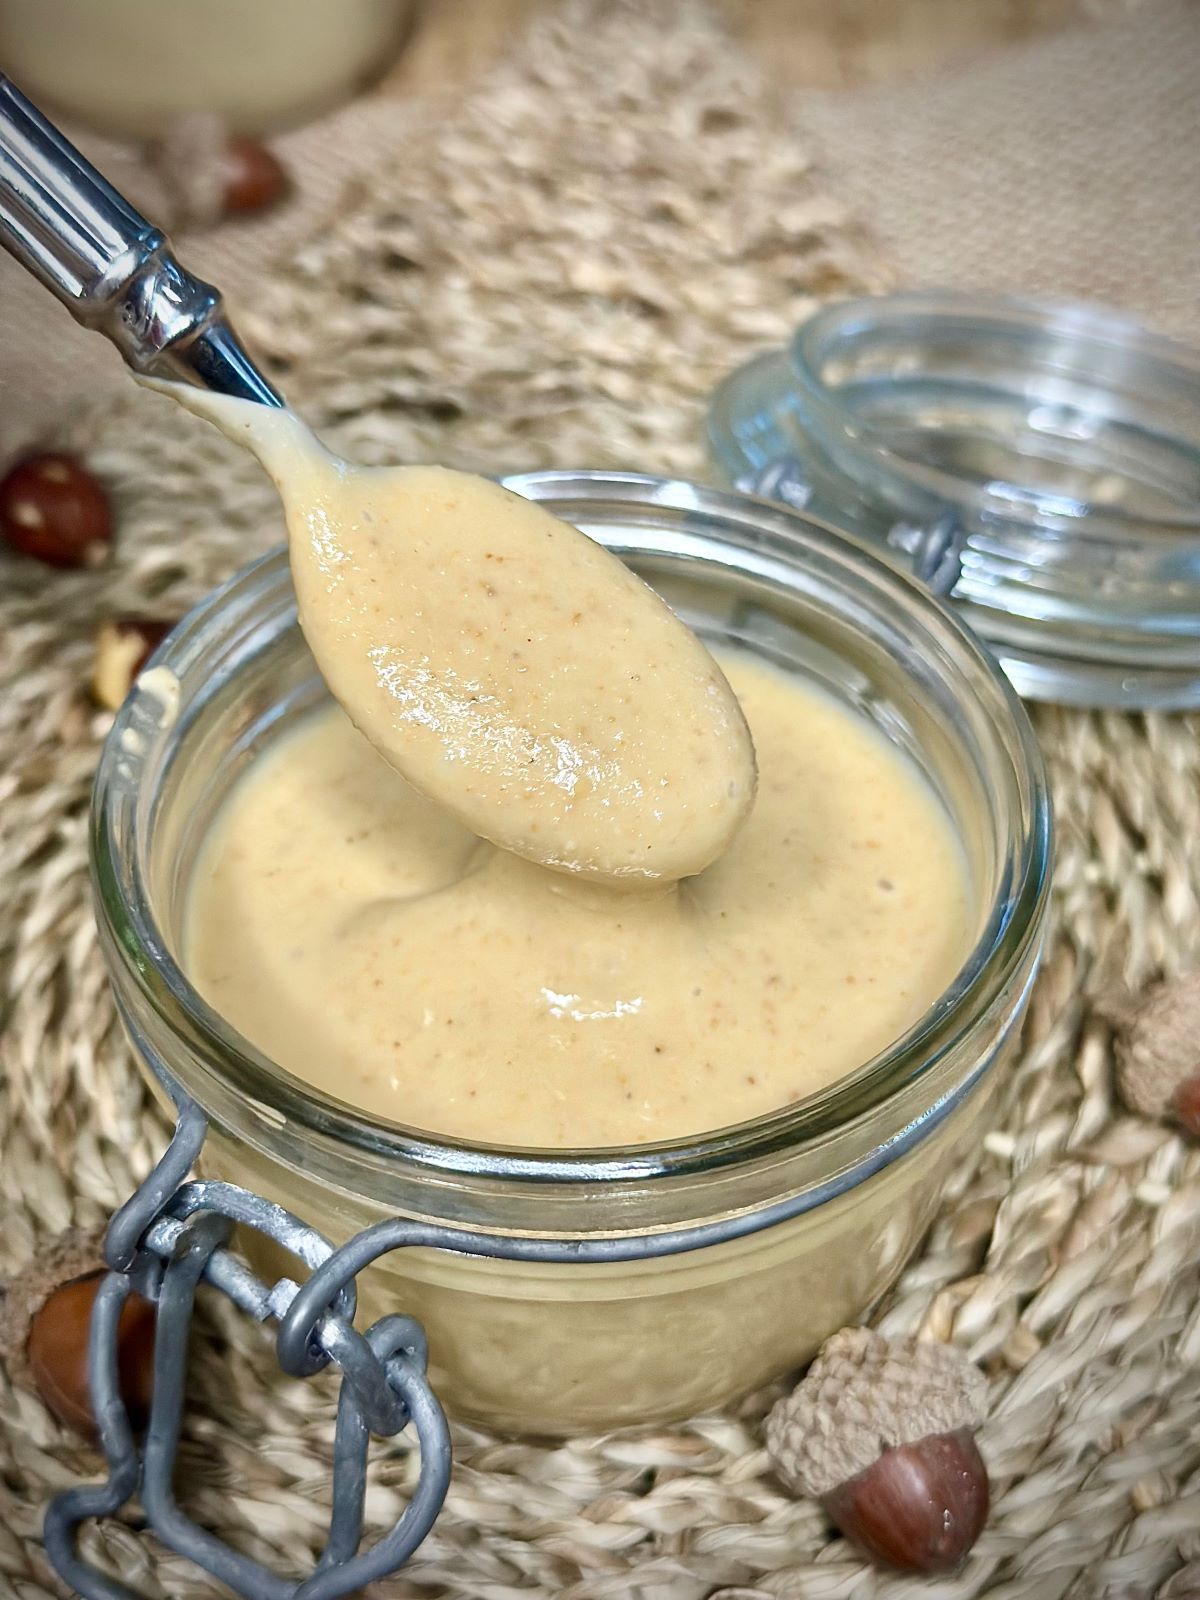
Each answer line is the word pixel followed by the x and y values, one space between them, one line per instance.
pixel 133 67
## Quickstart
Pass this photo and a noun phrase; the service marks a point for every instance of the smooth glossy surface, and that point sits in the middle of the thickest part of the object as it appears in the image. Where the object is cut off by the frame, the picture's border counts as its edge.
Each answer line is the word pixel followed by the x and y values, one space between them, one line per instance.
pixel 53 509
pixel 364 939
pixel 506 665
pixel 920 1508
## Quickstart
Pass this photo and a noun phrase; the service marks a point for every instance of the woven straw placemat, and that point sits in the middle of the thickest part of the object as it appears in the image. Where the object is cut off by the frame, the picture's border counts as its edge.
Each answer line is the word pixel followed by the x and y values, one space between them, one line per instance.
pixel 556 274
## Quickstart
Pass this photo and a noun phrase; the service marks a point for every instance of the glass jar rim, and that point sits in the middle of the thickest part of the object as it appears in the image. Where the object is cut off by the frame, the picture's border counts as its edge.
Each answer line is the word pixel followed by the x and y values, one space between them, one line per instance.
pixel 1161 362
pixel 1037 460
pixel 770 534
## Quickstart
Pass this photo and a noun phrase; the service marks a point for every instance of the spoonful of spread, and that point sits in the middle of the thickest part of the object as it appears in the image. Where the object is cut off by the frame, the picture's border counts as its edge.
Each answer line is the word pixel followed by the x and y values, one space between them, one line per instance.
pixel 509 667
pixel 506 665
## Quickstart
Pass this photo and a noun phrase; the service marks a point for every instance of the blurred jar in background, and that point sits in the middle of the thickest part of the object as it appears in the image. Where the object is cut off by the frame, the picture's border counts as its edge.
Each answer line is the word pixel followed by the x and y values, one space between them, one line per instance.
pixel 134 67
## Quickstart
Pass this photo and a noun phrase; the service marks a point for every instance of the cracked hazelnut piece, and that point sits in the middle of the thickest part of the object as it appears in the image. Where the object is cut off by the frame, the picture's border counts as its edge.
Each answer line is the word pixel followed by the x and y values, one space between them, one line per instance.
pixel 52 508
pixel 881 1433
pixel 123 646
pixel 1156 1043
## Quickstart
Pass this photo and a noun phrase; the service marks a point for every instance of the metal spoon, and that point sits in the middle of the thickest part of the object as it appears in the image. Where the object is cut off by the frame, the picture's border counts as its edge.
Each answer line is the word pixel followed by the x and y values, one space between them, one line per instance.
pixel 113 270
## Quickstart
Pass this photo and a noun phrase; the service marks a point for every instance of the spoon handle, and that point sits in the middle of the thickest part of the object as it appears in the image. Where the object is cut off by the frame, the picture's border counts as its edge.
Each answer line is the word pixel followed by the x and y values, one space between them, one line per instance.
pixel 113 270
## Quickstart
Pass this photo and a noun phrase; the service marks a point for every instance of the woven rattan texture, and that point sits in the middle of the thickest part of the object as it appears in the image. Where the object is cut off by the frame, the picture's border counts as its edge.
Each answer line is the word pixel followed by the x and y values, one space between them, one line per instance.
pixel 556 274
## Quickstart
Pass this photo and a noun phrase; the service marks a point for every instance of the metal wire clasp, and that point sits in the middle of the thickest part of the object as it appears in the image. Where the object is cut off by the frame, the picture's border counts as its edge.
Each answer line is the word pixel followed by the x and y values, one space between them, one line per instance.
pixel 172 1235
pixel 163 1242
pixel 934 550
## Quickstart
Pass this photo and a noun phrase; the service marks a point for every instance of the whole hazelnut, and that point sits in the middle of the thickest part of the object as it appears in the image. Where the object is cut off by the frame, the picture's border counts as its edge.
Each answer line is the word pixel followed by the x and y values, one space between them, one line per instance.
pixel 51 507
pixel 253 176
pixel 881 1433
pixel 1156 1043
pixel 920 1507
pixel 123 646
pixel 57 1353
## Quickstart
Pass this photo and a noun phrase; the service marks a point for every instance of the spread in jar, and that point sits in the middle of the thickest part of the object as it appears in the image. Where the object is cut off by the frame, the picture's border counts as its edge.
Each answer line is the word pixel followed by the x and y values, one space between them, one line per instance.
pixel 372 946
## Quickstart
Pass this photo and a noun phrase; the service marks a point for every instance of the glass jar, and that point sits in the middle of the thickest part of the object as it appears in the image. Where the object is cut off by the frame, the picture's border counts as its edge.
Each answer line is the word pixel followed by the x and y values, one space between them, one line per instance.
pixel 778 1230
pixel 1054 447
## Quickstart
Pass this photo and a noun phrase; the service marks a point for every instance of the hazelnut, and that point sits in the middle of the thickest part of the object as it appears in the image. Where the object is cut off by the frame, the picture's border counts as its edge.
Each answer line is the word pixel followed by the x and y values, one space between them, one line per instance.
pixel 51 507
pixel 123 646
pixel 881 1433
pixel 920 1507
pixel 57 1353
pixel 1185 1105
pixel 253 177
pixel 1156 1043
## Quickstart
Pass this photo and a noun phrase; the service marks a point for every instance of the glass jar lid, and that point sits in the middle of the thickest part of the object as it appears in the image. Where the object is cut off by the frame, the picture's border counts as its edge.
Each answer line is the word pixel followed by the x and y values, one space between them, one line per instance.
pixel 1037 463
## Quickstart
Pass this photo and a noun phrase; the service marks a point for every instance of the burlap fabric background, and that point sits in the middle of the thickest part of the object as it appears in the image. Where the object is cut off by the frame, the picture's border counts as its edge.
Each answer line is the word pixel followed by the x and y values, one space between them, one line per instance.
pixel 556 274
pixel 1067 166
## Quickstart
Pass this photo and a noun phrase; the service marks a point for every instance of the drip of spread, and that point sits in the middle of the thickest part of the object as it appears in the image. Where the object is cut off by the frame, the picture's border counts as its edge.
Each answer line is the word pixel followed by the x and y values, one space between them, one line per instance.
pixel 510 668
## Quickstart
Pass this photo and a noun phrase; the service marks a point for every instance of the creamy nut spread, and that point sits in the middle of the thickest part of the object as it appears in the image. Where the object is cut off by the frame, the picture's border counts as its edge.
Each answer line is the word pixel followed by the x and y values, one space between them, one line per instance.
pixel 370 944
pixel 511 668
pixel 523 687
